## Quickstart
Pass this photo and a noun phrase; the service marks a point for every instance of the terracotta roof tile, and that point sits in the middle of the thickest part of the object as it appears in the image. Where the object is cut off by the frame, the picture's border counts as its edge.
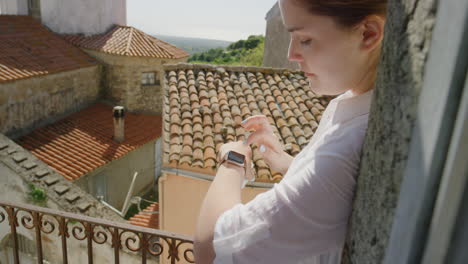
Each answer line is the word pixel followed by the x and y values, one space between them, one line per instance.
pixel 128 41
pixel 229 95
pixel 29 49
pixel 82 142
pixel 149 217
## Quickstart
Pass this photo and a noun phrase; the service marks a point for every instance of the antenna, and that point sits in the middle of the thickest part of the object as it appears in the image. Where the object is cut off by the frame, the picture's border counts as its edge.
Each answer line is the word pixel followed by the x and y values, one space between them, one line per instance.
pixel 126 204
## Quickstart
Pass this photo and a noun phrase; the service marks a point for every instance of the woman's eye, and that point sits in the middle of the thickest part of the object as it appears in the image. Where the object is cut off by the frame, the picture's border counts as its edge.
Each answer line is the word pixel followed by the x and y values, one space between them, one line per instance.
pixel 305 42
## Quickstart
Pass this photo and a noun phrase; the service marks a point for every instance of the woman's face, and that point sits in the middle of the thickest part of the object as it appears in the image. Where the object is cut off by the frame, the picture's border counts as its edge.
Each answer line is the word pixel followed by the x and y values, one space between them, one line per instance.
pixel 331 57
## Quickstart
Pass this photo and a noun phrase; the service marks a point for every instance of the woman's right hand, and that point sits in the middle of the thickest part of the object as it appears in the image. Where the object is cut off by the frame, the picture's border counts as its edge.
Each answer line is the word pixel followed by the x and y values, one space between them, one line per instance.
pixel 268 144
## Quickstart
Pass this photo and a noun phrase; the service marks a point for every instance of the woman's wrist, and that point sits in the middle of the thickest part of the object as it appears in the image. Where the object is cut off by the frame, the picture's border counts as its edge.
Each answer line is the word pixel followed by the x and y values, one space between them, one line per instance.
pixel 231 170
pixel 287 160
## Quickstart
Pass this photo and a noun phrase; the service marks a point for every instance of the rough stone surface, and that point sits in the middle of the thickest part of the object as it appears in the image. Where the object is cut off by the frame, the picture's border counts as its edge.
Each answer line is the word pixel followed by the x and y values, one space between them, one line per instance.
pixel 405 51
pixel 122 81
pixel 3 146
pixel 40 100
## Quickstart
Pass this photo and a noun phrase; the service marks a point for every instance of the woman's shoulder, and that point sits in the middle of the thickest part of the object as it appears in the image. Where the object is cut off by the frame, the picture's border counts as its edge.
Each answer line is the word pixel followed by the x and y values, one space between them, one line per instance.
pixel 344 139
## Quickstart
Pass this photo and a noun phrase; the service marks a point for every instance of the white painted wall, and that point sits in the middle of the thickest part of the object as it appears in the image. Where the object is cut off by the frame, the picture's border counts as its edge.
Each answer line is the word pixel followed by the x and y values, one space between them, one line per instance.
pixel 13 7
pixel 82 16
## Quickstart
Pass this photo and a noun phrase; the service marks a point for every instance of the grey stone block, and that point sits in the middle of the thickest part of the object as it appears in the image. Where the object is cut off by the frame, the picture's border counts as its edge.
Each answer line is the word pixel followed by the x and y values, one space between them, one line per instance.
pixel 29 165
pixel 83 206
pixel 3 145
pixel 11 151
pixel 71 197
pixel 51 180
pixel 61 189
pixel 41 173
pixel 18 157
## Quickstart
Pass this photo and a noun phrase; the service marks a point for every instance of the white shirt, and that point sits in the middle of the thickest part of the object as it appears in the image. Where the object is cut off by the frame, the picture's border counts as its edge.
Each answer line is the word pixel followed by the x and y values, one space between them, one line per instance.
pixel 303 219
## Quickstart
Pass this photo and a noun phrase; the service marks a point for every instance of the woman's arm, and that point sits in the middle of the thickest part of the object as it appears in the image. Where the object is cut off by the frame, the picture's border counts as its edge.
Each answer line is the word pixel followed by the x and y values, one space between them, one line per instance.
pixel 223 194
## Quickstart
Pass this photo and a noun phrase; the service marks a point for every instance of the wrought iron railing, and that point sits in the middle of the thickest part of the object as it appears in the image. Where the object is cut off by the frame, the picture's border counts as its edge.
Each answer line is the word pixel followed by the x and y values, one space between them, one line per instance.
pixel 141 242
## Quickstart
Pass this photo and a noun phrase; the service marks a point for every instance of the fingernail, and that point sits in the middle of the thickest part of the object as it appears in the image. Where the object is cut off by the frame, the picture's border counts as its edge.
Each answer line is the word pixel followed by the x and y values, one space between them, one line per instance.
pixel 262 148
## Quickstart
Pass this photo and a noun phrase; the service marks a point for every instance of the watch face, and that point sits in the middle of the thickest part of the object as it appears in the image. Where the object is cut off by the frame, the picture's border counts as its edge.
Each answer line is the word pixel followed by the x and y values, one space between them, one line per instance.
pixel 236 157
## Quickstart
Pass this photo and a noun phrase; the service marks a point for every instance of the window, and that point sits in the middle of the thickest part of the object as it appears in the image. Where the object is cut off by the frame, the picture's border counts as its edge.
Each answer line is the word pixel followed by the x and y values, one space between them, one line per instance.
pixel 149 78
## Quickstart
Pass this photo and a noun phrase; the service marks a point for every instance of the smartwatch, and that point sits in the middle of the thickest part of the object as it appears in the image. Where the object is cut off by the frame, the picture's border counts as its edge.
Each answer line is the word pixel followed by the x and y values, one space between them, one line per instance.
pixel 237 159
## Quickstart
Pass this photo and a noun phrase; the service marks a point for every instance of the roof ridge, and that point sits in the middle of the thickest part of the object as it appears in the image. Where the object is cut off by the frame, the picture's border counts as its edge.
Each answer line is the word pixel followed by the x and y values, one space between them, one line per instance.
pixel 234 68
pixel 164 43
pixel 135 43
pixel 129 42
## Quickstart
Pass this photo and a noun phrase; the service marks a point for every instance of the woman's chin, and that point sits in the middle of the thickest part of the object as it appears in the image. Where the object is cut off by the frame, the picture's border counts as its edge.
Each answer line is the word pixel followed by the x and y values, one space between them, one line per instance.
pixel 316 89
pixel 321 91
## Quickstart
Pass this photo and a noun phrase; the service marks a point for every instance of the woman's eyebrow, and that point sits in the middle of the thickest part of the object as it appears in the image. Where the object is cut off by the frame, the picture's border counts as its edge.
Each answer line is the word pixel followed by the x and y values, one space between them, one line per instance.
pixel 293 28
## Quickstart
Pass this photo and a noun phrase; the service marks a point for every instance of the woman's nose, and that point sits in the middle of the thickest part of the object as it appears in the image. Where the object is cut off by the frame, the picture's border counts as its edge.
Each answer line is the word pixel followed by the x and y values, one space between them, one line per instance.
pixel 293 54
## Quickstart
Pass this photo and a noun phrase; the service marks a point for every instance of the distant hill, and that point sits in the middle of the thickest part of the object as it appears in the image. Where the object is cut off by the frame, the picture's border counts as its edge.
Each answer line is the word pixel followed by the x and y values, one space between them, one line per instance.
pixel 242 52
pixel 194 45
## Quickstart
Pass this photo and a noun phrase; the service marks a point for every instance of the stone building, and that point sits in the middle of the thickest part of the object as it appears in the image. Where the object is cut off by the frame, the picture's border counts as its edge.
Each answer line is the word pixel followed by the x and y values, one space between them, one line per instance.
pixel 42 77
pixel 276 42
pixel 132 65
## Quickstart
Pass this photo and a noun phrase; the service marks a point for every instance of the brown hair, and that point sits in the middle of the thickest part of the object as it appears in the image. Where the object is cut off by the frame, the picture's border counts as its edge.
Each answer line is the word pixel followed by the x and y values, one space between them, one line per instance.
pixel 346 13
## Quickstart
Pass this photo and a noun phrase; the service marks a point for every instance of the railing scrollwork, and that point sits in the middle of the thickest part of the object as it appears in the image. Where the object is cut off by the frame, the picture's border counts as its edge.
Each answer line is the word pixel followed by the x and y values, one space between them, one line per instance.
pixel 143 243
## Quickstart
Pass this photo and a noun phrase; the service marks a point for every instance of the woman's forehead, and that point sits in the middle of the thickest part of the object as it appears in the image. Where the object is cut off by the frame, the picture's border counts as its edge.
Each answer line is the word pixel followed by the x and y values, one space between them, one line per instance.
pixel 297 18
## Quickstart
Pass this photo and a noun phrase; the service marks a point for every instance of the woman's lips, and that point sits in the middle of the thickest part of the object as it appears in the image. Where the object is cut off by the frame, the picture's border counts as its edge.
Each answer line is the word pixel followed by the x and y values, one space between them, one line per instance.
pixel 309 74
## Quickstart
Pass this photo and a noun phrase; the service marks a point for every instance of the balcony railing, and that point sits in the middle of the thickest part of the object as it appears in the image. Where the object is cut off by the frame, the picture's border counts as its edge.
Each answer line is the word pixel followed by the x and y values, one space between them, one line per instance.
pixel 142 243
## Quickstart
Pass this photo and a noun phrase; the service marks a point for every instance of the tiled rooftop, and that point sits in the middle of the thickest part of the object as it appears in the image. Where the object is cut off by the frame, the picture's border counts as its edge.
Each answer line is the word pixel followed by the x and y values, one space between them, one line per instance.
pixel 128 41
pixel 147 218
pixel 204 105
pixel 83 142
pixel 29 49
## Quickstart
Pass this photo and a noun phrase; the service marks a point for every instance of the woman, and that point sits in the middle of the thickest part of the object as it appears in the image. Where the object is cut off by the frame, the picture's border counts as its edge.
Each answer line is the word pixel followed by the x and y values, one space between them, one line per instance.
pixel 303 219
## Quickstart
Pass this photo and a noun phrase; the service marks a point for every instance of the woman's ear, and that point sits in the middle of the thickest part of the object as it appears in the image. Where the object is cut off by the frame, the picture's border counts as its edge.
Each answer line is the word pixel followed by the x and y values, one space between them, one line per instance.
pixel 372 30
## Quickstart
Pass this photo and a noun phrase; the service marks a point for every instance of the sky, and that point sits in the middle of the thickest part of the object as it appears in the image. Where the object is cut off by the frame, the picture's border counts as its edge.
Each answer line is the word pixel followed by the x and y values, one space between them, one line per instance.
pixel 212 19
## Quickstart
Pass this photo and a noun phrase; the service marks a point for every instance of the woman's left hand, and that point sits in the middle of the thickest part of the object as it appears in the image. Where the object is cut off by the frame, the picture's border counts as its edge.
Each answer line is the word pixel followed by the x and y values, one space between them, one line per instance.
pixel 241 148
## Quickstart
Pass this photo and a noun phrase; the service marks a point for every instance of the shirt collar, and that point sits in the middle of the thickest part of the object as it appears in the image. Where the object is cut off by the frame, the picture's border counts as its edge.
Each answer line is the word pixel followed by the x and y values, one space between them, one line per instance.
pixel 349 106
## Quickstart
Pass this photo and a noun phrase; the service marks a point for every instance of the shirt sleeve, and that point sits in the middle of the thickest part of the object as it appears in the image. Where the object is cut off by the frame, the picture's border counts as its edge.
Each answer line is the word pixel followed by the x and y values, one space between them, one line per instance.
pixel 304 215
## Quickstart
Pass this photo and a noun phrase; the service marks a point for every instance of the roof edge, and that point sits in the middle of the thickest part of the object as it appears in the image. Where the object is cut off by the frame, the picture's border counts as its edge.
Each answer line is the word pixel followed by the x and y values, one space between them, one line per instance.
pixel 232 68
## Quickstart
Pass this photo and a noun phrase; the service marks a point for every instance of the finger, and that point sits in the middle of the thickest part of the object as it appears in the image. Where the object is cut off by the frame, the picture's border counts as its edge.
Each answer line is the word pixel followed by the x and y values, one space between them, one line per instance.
pixel 263 138
pixel 256 122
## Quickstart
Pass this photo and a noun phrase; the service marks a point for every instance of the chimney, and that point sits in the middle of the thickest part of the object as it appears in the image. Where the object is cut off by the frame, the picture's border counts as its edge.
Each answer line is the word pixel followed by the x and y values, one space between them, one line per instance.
pixel 119 123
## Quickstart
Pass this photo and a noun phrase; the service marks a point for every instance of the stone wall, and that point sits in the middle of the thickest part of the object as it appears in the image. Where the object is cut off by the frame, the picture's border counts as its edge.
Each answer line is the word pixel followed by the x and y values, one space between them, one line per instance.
pixel 391 121
pixel 122 81
pixel 277 42
pixel 29 103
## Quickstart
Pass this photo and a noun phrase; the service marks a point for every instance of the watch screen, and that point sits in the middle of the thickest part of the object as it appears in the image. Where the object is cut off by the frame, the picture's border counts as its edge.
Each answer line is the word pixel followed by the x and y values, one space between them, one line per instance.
pixel 236 157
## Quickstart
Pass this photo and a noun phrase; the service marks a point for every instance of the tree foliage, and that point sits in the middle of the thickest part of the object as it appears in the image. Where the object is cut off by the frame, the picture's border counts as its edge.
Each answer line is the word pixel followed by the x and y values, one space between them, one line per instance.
pixel 242 52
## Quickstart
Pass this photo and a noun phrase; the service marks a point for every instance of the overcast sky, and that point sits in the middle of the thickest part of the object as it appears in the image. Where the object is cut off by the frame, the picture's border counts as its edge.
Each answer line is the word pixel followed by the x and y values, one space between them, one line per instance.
pixel 213 19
